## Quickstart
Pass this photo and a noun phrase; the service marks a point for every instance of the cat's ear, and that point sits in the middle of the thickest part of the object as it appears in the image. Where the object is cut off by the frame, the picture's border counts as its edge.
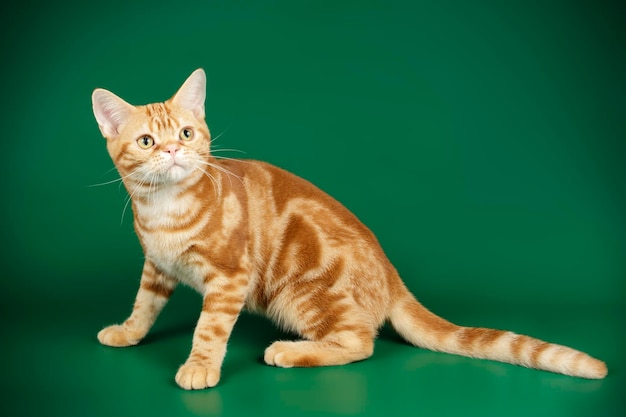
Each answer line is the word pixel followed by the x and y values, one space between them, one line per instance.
pixel 192 93
pixel 111 112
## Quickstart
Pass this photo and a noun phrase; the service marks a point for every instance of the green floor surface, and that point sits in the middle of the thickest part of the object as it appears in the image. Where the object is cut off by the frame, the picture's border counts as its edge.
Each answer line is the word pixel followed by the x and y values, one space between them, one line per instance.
pixel 59 369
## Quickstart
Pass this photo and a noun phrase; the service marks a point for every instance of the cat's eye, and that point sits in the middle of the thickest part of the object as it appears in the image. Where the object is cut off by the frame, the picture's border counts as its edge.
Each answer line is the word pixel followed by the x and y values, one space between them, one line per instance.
pixel 186 134
pixel 145 142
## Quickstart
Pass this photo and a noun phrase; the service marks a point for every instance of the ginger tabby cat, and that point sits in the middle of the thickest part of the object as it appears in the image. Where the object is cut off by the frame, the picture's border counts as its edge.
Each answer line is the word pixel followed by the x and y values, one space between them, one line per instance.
pixel 246 234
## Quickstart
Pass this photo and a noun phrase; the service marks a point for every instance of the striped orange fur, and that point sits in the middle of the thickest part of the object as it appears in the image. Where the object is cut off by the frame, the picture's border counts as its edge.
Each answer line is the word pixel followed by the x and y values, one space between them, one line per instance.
pixel 246 234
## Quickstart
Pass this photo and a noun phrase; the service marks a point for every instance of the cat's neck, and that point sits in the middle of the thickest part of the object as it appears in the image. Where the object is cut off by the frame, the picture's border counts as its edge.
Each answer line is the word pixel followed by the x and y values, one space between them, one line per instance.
pixel 165 202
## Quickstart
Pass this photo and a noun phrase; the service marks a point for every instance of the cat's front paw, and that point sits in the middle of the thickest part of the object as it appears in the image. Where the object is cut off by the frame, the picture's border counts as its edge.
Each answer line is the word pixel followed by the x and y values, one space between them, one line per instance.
pixel 194 376
pixel 118 336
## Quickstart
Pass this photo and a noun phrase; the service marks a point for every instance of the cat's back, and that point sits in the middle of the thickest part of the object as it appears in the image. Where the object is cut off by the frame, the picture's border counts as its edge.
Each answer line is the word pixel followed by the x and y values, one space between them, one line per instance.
pixel 279 192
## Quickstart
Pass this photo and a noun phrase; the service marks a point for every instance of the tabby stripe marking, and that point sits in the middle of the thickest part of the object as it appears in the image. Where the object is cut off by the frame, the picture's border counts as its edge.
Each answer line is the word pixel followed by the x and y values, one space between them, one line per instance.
pixel 157 288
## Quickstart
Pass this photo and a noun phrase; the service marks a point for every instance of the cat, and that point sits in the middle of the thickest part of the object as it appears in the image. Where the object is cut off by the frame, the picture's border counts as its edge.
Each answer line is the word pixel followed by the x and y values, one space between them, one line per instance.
pixel 246 234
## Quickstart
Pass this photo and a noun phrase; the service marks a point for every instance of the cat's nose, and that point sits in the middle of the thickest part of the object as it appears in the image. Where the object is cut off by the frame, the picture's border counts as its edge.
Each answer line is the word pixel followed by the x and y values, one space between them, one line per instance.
pixel 171 149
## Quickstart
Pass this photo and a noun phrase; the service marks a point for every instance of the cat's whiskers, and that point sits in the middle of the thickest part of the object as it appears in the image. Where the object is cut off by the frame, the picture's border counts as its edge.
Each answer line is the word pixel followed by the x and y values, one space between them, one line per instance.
pixel 140 184
pixel 210 154
pixel 150 193
pixel 120 179
pixel 106 183
pixel 226 158
pixel 124 209
pixel 213 140
pixel 225 171
pixel 213 150
pixel 217 187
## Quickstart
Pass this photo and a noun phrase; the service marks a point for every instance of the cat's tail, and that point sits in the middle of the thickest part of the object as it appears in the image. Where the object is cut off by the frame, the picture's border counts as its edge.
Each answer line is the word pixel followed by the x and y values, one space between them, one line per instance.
pixel 422 328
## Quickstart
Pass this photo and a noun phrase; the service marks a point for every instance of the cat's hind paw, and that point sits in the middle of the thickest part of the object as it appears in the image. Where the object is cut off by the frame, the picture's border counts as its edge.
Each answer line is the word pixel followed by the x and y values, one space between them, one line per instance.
pixel 290 354
pixel 194 376
pixel 118 336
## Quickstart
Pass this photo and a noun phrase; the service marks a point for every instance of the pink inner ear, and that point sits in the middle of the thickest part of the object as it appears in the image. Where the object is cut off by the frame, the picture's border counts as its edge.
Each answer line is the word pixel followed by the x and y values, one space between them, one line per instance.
pixel 111 112
pixel 192 93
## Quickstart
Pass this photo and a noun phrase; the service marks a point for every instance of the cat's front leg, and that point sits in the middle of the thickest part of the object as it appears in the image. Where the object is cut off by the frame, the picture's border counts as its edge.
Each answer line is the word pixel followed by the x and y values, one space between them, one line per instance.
pixel 154 290
pixel 220 308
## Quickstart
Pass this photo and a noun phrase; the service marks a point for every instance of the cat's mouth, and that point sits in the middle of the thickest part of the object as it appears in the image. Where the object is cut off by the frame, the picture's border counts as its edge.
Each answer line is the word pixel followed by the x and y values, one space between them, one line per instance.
pixel 176 171
pixel 172 170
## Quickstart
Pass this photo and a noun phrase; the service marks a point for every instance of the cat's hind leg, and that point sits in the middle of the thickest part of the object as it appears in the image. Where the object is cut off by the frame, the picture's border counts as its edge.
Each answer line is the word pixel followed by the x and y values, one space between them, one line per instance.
pixel 333 349
pixel 154 291
pixel 306 353
pixel 336 330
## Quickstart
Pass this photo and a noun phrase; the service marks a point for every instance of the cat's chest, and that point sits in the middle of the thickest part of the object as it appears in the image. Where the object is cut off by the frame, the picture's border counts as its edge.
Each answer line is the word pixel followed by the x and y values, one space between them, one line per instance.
pixel 169 254
pixel 187 239
pixel 163 248
pixel 166 237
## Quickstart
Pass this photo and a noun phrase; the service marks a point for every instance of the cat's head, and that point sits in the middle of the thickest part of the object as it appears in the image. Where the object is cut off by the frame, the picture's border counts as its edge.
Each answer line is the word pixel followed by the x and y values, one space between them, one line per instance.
pixel 160 143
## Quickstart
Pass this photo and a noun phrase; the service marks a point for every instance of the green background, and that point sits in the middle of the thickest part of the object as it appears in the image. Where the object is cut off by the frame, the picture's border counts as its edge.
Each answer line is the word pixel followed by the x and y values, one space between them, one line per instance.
pixel 482 141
